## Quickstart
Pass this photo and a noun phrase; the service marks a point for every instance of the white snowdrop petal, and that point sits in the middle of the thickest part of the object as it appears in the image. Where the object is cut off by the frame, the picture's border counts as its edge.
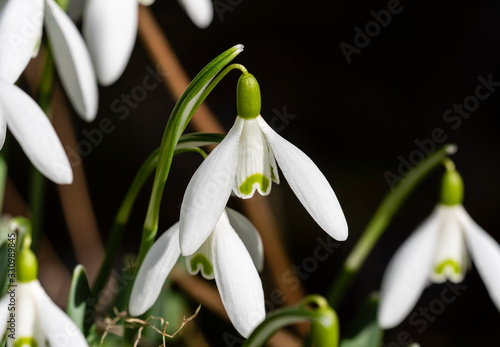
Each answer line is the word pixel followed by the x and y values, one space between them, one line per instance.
pixel 407 273
pixel 201 12
pixel 237 279
pixel 155 268
pixel 3 129
pixel 208 192
pixel 72 61
pixel 34 132
pixel 485 254
pixel 21 25
pixel 58 328
pixel 308 183
pixel 110 29
pixel 202 260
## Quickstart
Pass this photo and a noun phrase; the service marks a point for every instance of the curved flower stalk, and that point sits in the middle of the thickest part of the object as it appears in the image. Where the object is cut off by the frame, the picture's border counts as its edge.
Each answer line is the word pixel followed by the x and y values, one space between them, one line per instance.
pixel 110 30
pixel 437 251
pixel 245 161
pixel 20 36
pixel 28 315
pixel 231 255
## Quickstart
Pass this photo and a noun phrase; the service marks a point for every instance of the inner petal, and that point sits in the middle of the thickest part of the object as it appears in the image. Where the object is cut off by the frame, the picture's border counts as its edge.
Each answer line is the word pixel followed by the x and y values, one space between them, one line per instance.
pixel 256 165
pixel 450 261
pixel 202 260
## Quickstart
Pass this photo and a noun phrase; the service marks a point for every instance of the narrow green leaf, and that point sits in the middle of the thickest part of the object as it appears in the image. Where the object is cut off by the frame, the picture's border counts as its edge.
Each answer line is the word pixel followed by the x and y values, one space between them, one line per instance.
pixel 365 331
pixel 79 294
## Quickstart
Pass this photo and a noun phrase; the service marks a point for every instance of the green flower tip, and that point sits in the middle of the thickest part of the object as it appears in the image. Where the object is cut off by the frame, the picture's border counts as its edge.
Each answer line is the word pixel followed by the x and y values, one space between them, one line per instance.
pixel 27 266
pixel 25 341
pixel 248 97
pixel 452 187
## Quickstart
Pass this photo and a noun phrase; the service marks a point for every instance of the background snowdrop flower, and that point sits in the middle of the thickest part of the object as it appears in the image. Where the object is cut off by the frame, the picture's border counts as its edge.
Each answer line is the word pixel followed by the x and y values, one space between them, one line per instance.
pixel 438 251
pixel 21 25
pixel 245 161
pixel 37 319
pixel 110 30
pixel 231 255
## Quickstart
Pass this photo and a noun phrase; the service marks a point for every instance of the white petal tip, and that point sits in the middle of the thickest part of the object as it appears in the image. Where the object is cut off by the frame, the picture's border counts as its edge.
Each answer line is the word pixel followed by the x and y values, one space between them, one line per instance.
pixel 451 149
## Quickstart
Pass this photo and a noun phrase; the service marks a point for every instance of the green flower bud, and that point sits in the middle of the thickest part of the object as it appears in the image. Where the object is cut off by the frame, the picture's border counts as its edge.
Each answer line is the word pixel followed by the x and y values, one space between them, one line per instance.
pixel 452 188
pixel 27 266
pixel 248 97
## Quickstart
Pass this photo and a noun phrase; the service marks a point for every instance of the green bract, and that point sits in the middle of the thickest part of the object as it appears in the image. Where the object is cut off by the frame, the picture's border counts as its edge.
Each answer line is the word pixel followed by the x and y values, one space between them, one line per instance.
pixel 248 97
pixel 452 188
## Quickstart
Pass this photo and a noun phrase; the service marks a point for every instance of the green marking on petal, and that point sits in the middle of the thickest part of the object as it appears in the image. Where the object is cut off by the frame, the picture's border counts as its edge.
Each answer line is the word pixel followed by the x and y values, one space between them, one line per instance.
pixel 448 262
pixel 25 342
pixel 199 258
pixel 247 186
pixel 273 176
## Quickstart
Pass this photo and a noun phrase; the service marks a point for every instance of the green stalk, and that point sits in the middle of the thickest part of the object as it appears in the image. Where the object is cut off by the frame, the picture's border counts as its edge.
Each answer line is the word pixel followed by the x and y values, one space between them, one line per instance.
pixel 38 183
pixel 380 220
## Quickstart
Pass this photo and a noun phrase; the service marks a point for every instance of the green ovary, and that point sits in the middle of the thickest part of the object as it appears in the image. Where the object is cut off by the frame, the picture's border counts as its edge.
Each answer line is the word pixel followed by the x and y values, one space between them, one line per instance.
pixel 247 186
pixel 454 265
pixel 25 342
pixel 205 263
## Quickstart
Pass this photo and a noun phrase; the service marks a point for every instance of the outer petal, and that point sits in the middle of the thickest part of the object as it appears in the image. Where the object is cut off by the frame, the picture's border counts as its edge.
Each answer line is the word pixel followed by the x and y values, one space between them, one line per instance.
pixel 3 130
pixel 32 129
pixel 237 279
pixel 157 264
pixel 72 61
pixel 408 272
pixel 208 191
pixel 249 235
pixel 4 301
pixel 110 29
pixel 201 12
pixel 58 328
pixel 20 32
pixel 308 183
pixel 485 253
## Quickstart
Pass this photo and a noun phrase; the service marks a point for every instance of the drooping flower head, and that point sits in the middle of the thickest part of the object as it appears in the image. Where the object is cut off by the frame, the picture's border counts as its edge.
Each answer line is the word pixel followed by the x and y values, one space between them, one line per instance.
pixel 245 162
pixel 231 255
pixel 439 250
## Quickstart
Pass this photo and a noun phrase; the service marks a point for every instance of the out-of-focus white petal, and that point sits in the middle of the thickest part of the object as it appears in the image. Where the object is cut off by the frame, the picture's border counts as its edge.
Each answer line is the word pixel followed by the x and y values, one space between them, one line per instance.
pixel 237 279
pixel 58 328
pixel 408 272
pixel 208 191
pixel 32 129
pixel 308 183
pixel 249 235
pixel 485 254
pixel 20 31
pixel 254 170
pixel 450 255
pixel 3 130
pixel 155 268
pixel 110 29
pixel 75 9
pixel 201 12
pixel 4 312
pixel 202 260
pixel 72 61
pixel 146 2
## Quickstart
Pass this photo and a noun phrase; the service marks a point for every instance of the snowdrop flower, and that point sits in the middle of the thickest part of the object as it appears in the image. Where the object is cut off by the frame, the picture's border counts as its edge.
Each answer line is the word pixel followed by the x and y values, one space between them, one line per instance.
pixel 232 254
pixel 110 30
pixel 20 33
pixel 245 161
pixel 29 317
pixel 437 251
pixel 20 36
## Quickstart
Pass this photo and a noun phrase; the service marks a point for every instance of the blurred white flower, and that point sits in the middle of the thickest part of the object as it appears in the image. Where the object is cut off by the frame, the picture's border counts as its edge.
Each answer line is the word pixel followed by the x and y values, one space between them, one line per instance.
pixel 21 25
pixel 110 30
pixel 437 251
pixel 232 254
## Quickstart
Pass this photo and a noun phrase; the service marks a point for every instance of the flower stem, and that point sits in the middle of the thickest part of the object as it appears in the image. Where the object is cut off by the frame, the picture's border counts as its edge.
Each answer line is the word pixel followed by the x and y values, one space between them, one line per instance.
pixel 38 183
pixel 380 220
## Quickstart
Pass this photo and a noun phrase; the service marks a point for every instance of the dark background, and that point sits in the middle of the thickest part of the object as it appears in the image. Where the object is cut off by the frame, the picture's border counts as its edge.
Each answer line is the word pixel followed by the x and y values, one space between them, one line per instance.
pixel 354 120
